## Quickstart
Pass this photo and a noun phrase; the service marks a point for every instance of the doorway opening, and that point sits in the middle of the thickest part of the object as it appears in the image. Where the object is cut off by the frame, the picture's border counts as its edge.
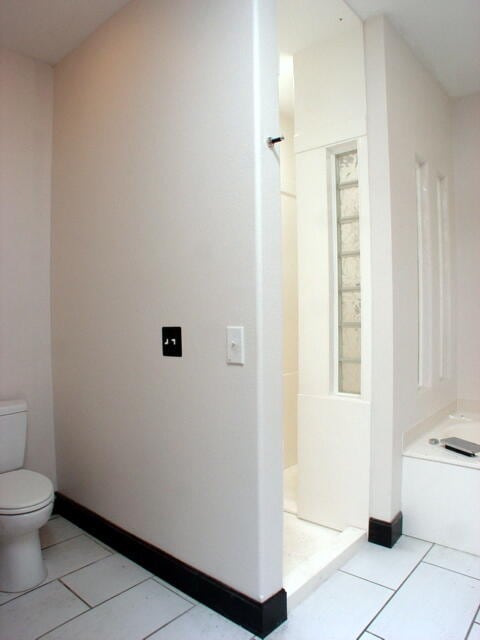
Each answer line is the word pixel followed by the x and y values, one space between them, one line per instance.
pixel 326 289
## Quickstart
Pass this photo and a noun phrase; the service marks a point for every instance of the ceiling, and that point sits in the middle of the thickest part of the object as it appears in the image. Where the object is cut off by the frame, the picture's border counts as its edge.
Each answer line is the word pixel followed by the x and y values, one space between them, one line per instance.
pixel 48 29
pixel 302 23
pixel 444 34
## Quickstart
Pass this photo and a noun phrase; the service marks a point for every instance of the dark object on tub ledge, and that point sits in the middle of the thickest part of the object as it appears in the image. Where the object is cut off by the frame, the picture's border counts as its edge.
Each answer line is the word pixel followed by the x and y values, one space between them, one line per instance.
pixel 464 447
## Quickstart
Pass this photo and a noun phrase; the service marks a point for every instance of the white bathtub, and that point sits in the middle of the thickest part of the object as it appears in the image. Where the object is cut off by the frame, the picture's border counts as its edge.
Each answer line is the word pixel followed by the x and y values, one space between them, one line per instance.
pixel 466 427
pixel 441 488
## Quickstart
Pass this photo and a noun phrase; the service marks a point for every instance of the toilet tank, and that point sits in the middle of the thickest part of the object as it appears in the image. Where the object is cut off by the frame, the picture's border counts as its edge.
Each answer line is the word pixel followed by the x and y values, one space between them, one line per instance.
pixel 13 434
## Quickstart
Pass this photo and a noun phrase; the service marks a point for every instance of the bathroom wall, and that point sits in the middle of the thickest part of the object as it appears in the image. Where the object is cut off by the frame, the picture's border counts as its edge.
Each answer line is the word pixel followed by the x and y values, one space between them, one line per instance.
pixel 26 103
pixel 162 192
pixel 333 429
pixel 409 117
pixel 466 139
pixel 290 290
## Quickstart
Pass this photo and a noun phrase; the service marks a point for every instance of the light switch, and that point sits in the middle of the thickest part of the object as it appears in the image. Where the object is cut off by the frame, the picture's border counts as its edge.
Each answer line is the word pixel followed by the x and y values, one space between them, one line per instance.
pixel 235 345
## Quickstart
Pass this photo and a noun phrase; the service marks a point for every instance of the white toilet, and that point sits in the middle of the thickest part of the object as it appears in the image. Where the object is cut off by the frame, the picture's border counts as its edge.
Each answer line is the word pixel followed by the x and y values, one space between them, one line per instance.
pixel 26 502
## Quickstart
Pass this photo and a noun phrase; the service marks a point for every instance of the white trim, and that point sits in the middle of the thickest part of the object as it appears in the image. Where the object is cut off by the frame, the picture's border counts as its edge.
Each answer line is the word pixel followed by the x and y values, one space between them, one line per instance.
pixel 444 278
pixel 365 268
pixel 424 254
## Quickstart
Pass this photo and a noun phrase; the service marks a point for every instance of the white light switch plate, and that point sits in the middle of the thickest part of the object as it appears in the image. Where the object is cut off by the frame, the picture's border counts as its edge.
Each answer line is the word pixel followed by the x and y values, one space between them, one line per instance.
pixel 235 345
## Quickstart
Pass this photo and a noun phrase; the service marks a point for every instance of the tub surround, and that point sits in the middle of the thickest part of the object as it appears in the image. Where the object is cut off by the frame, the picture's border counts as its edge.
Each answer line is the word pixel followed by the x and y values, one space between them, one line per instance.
pixel 424 426
pixel 466 427
pixel 440 488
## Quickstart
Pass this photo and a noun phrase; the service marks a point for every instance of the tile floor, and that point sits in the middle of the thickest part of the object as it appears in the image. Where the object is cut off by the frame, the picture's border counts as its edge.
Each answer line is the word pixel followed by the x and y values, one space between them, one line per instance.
pixel 415 591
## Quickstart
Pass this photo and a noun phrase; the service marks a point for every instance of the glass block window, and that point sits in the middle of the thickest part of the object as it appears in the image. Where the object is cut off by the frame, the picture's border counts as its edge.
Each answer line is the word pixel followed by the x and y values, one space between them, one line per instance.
pixel 348 273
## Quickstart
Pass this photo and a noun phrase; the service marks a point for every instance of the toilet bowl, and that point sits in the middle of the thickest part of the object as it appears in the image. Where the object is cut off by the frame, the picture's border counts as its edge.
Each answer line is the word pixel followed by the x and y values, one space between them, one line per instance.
pixel 26 502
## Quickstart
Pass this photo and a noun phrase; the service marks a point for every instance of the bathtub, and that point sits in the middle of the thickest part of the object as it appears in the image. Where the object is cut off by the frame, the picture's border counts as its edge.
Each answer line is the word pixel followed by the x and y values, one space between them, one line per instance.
pixel 460 426
pixel 441 488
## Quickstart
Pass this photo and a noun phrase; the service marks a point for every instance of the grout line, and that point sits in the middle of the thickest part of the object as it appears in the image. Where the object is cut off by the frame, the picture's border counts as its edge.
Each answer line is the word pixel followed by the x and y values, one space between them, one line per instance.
pixel 472 623
pixel 398 588
pixel 78 568
pixel 24 593
pixel 378 584
pixel 84 612
pixel 47 580
pixel 459 573
pixel 54 544
pixel 169 622
pixel 85 533
pixel 100 543
pixel 111 553
pixel 372 634
pixel 174 590
pixel 444 546
pixel 76 594
pixel 95 606
pixel 62 624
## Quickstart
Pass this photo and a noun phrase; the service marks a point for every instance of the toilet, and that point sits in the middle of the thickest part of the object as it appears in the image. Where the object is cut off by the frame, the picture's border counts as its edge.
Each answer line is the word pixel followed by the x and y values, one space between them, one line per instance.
pixel 26 502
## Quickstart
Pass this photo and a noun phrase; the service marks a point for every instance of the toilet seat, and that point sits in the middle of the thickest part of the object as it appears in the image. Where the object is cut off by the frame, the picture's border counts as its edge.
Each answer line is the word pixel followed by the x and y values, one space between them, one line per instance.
pixel 24 491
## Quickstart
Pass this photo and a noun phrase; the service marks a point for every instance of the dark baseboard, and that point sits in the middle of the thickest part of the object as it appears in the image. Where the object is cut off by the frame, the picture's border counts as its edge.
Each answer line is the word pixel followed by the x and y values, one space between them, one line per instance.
pixel 260 618
pixel 385 533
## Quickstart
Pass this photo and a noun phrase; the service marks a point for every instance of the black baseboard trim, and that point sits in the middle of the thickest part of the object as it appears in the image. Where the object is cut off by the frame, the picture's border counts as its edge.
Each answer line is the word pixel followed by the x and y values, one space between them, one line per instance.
pixel 385 533
pixel 260 618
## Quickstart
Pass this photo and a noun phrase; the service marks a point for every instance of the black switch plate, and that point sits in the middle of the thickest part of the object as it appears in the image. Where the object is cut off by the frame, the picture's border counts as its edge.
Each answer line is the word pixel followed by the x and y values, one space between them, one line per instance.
pixel 172 341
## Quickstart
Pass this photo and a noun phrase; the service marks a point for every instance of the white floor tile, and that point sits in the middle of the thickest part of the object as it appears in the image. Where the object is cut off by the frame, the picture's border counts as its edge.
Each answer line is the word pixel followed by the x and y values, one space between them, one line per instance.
pixel 71 555
pixel 433 603
pixel 474 633
pixel 58 530
pixel 388 567
pixel 132 615
pixel 201 623
pixel 369 636
pixel 38 611
pixel 105 578
pixel 177 591
pixel 339 609
pixel 477 619
pixel 102 544
pixel 460 561
pixel 6 597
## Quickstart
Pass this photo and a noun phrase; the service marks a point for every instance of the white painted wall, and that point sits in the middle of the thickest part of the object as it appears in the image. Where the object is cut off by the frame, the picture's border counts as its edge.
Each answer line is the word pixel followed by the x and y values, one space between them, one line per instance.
pixel 408 116
pixel 466 140
pixel 330 90
pixel 163 187
pixel 333 429
pixel 290 290
pixel 26 103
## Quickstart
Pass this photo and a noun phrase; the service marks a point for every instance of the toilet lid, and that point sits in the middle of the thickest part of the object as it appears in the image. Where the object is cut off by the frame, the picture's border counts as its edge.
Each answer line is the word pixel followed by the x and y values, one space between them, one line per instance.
pixel 23 490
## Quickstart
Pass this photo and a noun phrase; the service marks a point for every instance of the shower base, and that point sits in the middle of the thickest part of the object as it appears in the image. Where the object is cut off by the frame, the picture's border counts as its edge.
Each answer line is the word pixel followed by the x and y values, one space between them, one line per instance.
pixel 311 552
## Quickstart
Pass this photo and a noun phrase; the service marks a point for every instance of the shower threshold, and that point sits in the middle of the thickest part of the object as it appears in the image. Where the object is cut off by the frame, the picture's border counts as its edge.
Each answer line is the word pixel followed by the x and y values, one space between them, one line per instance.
pixel 311 552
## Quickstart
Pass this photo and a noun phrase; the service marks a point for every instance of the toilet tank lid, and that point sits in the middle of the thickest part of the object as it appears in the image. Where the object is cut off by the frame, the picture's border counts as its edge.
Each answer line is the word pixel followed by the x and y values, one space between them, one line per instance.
pixel 7 407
